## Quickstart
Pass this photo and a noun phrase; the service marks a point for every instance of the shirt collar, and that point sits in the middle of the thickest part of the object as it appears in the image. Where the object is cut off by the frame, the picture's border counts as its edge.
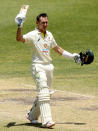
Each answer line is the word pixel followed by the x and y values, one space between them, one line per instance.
pixel 41 33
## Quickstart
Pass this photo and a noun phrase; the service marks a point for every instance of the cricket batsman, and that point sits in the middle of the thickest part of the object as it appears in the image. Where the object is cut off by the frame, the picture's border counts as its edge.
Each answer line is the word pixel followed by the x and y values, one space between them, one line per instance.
pixel 41 41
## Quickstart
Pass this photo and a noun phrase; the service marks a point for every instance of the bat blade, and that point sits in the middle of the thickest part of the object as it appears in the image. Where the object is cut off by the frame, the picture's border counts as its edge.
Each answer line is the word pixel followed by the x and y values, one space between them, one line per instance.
pixel 24 9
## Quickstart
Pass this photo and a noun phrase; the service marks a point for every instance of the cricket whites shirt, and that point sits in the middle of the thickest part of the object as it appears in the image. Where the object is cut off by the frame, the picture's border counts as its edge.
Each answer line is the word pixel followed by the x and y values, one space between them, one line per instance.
pixel 41 45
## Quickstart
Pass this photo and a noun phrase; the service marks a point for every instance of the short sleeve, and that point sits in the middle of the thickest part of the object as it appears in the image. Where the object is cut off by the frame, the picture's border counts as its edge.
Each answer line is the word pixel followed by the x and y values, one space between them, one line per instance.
pixel 28 37
pixel 54 44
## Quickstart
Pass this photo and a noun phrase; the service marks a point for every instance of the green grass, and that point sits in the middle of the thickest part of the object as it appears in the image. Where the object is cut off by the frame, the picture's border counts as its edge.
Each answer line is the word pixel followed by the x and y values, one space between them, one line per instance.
pixel 74 25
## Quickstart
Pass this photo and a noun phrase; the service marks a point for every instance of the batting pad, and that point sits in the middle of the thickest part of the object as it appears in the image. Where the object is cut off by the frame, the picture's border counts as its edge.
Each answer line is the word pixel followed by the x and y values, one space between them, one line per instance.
pixel 44 94
pixel 45 112
pixel 35 111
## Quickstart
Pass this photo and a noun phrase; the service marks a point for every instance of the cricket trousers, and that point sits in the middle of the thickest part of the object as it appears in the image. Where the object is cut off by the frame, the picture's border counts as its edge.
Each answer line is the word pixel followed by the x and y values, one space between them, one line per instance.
pixel 43 75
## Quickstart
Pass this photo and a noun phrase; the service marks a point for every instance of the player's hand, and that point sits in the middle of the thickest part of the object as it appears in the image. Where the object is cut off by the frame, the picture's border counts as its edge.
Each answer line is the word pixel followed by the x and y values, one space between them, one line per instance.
pixel 76 57
pixel 19 19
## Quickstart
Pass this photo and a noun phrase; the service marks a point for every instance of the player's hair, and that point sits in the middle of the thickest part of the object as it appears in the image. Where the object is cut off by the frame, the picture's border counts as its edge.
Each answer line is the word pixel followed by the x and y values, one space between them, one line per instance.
pixel 41 15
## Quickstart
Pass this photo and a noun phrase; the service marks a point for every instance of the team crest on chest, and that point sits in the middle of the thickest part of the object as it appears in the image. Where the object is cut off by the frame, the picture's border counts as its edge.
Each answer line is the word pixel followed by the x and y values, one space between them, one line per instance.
pixel 45 49
pixel 45 45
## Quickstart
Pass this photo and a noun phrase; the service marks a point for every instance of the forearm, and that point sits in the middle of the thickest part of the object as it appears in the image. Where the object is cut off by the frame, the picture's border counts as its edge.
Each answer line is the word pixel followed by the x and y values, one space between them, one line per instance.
pixel 58 50
pixel 67 54
pixel 63 52
pixel 19 36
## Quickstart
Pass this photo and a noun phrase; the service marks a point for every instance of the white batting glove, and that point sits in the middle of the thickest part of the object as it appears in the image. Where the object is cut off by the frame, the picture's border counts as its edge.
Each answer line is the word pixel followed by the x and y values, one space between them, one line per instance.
pixel 22 15
pixel 20 18
pixel 76 57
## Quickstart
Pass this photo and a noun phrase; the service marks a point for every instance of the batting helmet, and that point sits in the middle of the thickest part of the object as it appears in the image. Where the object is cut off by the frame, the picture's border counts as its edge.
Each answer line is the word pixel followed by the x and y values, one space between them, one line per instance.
pixel 87 57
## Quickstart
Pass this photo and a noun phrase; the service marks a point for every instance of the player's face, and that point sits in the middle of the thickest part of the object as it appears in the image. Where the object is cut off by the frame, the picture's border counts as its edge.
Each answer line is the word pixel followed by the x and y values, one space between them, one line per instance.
pixel 42 24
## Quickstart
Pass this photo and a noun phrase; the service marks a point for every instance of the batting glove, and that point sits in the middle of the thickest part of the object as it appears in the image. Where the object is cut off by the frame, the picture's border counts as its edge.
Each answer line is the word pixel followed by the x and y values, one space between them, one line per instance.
pixel 76 57
pixel 20 18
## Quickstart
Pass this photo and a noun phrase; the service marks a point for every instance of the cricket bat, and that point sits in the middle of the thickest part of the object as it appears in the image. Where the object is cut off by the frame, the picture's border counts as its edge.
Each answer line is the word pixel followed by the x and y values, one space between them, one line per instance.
pixel 22 14
pixel 23 9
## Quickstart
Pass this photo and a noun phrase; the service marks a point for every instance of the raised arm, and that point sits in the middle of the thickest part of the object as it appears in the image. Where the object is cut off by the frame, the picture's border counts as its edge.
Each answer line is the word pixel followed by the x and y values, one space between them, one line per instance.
pixel 19 36
pixel 19 19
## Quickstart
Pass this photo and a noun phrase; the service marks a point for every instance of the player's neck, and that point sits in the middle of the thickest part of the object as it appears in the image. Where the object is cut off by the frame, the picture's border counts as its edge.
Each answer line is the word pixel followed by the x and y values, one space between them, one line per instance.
pixel 42 31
